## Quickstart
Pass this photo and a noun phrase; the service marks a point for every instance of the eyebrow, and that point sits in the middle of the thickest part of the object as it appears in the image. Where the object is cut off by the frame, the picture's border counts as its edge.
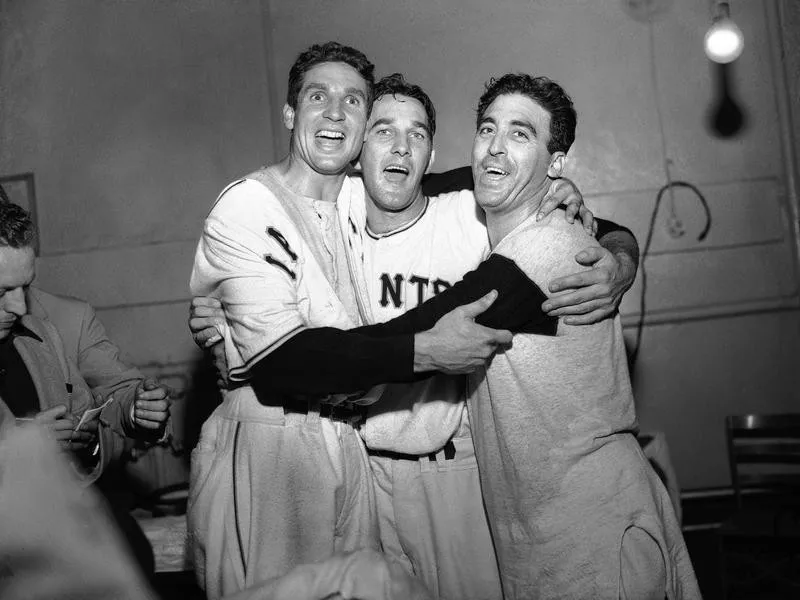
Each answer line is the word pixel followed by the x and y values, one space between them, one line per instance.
pixel 516 123
pixel 388 121
pixel 526 124
pixel 356 92
pixel 315 86
pixel 325 87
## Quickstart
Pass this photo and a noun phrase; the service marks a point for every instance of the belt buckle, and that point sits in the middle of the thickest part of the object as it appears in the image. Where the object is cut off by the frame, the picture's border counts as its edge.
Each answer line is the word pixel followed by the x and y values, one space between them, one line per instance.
pixel 339 412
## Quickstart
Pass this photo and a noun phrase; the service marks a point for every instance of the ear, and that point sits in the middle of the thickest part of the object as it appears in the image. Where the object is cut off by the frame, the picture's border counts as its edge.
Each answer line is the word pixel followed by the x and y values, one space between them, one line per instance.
pixel 557 163
pixel 430 160
pixel 288 117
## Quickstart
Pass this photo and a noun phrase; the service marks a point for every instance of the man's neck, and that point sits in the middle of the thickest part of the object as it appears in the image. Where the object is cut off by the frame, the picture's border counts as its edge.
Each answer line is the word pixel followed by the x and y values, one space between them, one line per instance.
pixel 502 222
pixel 381 221
pixel 300 178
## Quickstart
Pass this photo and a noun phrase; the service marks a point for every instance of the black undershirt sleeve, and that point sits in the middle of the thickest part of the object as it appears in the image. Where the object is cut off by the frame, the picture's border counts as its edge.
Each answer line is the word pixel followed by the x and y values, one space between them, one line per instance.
pixel 518 306
pixel 453 180
pixel 605 227
pixel 326 360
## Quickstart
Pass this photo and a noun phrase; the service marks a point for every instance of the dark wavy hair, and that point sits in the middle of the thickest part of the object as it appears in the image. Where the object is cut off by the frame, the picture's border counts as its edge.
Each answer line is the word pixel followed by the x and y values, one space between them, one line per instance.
pixel 396 84
pixel 16 227
pixel 324 53
pixel 543 91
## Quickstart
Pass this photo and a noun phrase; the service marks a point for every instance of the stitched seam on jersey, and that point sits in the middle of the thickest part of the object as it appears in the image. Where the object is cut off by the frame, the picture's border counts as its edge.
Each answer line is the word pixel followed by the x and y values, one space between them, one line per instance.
pixel 378 236
pixel 223 192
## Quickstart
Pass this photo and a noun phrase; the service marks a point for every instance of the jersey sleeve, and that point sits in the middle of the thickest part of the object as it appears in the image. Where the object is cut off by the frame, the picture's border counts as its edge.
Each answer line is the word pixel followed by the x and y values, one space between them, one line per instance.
pixel 546 252
pixel 250 257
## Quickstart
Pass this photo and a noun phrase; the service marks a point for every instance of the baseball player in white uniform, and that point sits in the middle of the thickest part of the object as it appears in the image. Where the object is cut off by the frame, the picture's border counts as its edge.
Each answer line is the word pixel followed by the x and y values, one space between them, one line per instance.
pixel 280 477
pixel 412 247
pixel 427 486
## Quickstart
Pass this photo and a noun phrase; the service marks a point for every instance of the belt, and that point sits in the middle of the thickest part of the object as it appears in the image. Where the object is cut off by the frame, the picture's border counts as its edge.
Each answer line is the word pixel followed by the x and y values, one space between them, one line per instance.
pixel 449 450
pixel 340 412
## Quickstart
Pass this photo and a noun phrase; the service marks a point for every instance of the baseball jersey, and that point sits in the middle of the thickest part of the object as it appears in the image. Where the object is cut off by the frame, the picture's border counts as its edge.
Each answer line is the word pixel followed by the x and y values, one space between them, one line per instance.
pixel 276 260
pixel 403 268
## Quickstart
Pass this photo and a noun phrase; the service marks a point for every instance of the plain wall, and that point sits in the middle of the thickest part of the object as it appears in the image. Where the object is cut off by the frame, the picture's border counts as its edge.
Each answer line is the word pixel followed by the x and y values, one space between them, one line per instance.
pixel 133 115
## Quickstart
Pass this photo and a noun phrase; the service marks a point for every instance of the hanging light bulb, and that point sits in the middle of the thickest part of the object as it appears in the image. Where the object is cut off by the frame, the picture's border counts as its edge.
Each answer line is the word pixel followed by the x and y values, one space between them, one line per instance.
pixel 724 40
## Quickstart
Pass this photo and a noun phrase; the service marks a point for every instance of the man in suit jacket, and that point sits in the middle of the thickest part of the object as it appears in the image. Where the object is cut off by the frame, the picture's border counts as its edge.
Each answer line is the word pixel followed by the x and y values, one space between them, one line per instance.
pixel 45 379
pixel 143 401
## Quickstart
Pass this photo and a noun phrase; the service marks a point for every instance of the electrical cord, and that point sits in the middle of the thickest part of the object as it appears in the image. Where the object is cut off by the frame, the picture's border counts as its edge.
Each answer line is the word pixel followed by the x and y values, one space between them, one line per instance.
pixel 646 250
pixel 668 187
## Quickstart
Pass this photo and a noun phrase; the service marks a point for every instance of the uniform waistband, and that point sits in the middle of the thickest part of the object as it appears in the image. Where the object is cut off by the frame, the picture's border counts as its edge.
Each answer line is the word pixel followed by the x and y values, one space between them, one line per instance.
pixel 449 450
pixel 345 413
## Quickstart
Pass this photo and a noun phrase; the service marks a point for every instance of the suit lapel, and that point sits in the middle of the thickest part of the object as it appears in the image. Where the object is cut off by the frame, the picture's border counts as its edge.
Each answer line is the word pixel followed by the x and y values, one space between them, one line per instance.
pixel 43 365
pixel 52 377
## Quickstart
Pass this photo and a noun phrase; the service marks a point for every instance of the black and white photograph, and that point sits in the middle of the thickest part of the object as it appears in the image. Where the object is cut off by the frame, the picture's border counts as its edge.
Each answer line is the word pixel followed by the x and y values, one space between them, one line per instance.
pixel 400 300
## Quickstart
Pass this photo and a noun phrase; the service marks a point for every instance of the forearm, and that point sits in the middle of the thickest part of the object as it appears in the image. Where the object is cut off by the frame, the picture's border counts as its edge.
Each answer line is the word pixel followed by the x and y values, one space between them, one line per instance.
pixel 106 374
pixel 517 307
pixel 325 361
pixel 454 180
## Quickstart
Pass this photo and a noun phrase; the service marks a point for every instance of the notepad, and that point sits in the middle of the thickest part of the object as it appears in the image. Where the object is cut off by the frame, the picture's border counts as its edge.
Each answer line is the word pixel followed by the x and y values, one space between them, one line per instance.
pixel 91 413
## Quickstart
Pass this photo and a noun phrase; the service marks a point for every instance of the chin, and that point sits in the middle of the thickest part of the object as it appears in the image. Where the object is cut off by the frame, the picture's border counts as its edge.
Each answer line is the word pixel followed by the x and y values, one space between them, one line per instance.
pixel 331 168
pixel 489 200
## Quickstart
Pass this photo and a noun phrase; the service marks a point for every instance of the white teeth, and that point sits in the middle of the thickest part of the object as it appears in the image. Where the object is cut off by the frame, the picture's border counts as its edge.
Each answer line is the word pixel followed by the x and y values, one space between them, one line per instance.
pixel 396 169
pixel 333 135
pixel 495 171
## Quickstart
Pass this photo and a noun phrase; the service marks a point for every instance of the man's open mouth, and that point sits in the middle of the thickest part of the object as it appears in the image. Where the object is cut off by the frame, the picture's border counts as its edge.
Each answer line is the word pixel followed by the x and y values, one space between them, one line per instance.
pixel 399 169
pixel 327 134
pixel 496 172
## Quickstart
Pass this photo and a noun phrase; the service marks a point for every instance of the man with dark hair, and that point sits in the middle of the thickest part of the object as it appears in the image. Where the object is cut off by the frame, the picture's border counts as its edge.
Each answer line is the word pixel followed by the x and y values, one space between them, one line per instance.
pixel 144 403
pixel 575 509
pixel 329 52
pixel 37 380
pixel 56 363
pixel 277 481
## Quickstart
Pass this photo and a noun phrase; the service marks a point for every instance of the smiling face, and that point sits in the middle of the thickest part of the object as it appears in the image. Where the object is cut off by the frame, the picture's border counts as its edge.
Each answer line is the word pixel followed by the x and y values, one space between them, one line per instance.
pixel 16 274
pixel 328 124
pixel 397 152
pixel 510 160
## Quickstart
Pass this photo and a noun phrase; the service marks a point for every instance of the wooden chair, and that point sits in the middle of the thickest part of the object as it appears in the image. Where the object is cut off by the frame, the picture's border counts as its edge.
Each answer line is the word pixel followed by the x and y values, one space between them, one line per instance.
pixel 763 536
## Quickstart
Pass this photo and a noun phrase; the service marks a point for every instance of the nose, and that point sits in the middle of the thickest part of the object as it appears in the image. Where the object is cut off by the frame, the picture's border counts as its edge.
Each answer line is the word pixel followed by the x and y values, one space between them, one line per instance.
pixel 400 145
pixel 497 145
pixel 15 302
pixel 334 111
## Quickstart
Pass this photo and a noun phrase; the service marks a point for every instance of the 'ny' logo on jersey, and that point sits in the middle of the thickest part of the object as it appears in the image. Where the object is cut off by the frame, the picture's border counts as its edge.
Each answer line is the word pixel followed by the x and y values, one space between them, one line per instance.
pixel 393 288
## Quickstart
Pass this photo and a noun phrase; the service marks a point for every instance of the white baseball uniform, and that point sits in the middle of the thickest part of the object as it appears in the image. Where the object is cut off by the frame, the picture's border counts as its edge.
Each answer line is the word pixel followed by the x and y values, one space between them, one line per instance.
pixel 430 506
pixel 273 486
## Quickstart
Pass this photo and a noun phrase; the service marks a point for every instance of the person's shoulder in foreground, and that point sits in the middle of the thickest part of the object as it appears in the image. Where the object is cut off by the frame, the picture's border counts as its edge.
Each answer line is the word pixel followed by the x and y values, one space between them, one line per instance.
pixel 58 541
